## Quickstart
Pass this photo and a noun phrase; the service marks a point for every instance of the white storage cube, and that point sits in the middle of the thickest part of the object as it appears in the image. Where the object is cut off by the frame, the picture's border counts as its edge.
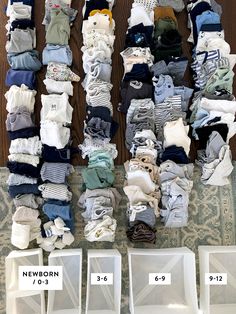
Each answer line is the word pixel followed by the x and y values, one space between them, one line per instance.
pixel 23 301
pixel 104 299
pixel 180 297
pixel 68 300
pixel 218 299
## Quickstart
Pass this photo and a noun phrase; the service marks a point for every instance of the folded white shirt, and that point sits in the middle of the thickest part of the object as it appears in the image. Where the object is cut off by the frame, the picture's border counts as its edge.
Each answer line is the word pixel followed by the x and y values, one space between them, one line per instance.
pixel 226 106
pixel 54 134
pixel 56 108
pixel 176 133
pixel 20 97
pixel 58 87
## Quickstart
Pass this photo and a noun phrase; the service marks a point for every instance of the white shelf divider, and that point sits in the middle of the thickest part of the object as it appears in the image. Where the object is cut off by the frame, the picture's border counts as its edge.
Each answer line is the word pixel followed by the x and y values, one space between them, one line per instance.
pixel 21 301
pixel 104 299
pixel 178 297
pixel 68 300
pixel 218 298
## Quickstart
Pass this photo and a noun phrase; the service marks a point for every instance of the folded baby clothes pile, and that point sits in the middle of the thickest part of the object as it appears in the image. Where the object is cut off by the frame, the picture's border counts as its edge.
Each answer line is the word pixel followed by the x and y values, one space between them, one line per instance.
pixel 98 205
pixel 175 174
pixel 171 98
pixel 166 36
pixel 214 105
pixel 21 43
pixel 99 199
pixel 155 102
pixel 59 17
pixel 142 178
pixel 176 185
pixel 25 146
pixel 56 119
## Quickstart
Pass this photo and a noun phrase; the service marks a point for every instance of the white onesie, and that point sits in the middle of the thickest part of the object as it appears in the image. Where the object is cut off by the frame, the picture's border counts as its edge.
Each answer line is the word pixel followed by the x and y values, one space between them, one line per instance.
pixel 139 14
pixel 176 133
pixel 54 134
pixel 31 145
pixel 20 96
pixel 56 108
pixel 58 87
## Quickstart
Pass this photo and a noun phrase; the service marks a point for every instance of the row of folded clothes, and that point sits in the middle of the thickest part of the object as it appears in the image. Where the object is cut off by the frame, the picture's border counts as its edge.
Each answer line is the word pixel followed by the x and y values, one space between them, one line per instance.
pixel 213 108
pixel 155 101
pixel 25 146
pixel 39 166
pixel 99 198
pixel 56 118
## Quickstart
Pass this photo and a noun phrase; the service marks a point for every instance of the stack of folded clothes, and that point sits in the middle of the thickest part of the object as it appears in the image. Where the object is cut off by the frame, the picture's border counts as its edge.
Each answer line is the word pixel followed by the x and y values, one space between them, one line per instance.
pixel 155 102
pixel 56 119
pixel 99 199
pixel 142 178
pixel 214 105
pixel 25 147
pixel 171 98
pixel 167 39
pixel 57 55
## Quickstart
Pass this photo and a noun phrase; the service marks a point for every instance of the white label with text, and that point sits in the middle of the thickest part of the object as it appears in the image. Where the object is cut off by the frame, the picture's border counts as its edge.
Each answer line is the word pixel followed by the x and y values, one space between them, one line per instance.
pixel 216 279
pixel 40 277
pixel 101 279
pixel 162 279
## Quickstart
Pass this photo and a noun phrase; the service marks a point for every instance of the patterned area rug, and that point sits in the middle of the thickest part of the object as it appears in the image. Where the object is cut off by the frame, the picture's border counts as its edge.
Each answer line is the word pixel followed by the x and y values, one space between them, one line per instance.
pixel 212 221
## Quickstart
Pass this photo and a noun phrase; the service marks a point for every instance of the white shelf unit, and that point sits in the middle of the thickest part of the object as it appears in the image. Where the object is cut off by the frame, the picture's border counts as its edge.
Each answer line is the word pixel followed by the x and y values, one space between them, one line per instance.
pixel 68 300
pixel 23 301
pixel 218 299
pixel 180 297
pixel 104 299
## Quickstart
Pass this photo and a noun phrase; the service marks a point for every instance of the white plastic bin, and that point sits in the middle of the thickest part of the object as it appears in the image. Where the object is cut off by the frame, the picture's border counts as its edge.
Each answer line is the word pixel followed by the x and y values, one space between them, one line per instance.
pixel 180 297
pixel 23 301
pixel 218 299
pixel 68 300
pixel 104 299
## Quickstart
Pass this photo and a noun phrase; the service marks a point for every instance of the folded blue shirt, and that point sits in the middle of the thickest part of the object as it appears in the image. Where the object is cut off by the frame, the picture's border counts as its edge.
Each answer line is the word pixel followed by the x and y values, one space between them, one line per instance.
pixel 18 77
pixel 198 10
pixel 23 133
pixel 211 27
pixel 14 190
pixel 54 209
pixel 176 154
pixel 207 17
pixel 57 53
pixel 24 169
pixel 52 154
pixel 25 61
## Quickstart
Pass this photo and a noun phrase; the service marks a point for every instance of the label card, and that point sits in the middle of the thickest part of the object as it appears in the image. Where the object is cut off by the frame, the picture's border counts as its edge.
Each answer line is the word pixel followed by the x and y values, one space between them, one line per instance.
pixel 101 279
pixel 40 277
pixel 216 279
pixel 160 279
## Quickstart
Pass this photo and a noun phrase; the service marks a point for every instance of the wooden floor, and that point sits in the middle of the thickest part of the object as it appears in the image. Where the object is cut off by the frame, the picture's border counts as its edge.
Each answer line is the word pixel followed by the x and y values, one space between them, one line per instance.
pixel 121 13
